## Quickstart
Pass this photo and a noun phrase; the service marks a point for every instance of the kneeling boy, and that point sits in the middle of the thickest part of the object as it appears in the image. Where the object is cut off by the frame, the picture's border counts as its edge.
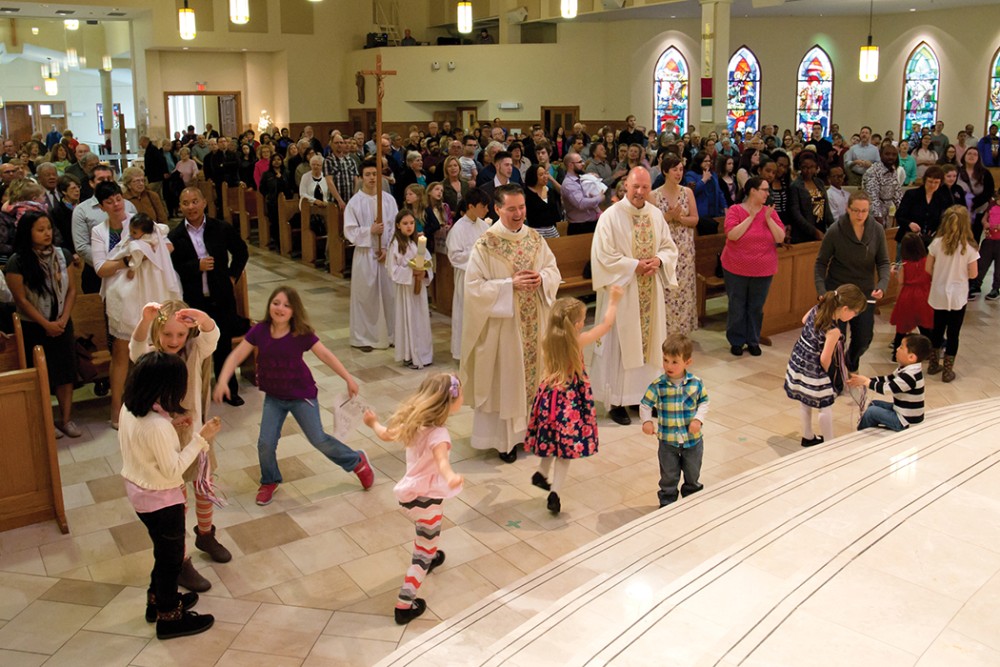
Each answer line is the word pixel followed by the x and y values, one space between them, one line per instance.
pixel 906 385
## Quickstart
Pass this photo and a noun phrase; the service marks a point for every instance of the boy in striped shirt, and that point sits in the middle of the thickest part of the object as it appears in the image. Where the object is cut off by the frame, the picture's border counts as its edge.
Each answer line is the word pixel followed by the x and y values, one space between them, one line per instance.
pixel 681 404
pixel 906 385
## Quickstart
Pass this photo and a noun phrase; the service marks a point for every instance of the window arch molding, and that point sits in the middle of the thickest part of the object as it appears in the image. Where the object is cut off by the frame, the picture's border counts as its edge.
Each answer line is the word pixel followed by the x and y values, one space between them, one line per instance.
pixel 993 93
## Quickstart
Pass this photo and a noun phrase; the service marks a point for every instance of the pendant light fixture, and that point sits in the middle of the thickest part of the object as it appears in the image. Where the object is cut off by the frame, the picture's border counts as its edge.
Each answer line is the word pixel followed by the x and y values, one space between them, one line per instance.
pixel 71 24
pixel 72 59
pixel 51 86
pixel 465 17
pixel 568 9
pixel 186 22
pixel 868 63
pixel 54 67
pixel 239 11
pixel 46 71
pixel 106 63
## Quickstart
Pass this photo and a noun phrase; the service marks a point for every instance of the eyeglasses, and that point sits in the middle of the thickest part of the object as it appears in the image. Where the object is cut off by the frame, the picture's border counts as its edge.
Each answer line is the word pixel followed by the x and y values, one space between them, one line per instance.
pixel 859 211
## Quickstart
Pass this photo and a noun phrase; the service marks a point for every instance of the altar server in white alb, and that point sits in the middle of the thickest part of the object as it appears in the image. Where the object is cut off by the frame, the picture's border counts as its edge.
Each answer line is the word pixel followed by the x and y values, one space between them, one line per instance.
pixel 414 345
pixel 372 290
pixel 632 248
pixel 462 236
pixel 510 285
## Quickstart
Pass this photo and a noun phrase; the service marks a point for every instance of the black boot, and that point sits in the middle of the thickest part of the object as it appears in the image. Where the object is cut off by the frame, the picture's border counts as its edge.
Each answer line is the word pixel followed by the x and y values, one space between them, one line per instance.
pixel 188 600
pixel 180 623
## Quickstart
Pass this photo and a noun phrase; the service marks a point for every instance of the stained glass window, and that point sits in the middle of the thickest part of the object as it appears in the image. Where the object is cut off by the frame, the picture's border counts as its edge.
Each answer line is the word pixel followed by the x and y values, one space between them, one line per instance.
pixel 920 89
pixel 671 91
pixel 815 91
pixel 743 108
pixel 994 102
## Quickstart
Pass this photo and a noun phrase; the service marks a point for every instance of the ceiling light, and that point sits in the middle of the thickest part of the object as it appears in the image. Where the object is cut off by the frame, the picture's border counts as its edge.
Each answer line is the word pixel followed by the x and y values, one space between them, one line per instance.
pixel 239 11
pixel 71 24
pixel 72 60
pixel 568 8
pixel 186 22
pixel 868 62
pixel 106 64
pixel 465 17
pixel 51 87
pixel 34 30
pixel 54 67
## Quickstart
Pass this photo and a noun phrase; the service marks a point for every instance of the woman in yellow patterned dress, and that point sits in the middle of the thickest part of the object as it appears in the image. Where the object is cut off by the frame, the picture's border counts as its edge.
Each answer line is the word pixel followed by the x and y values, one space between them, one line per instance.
pixel 678 206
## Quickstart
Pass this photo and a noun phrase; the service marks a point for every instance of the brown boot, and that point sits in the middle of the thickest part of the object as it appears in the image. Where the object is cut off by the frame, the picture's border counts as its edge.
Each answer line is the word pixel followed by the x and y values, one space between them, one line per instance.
pixel 191 580
pixel 934 362
pixel 207 543
pixel 949 368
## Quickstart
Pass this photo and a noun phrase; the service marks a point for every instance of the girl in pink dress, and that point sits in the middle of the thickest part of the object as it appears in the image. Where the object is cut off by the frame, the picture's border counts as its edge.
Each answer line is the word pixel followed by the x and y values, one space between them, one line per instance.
pixel 420 425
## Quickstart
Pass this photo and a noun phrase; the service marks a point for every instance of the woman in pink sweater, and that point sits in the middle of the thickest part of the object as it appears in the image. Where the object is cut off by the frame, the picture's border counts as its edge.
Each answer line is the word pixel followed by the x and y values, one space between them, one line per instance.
pixel 749 261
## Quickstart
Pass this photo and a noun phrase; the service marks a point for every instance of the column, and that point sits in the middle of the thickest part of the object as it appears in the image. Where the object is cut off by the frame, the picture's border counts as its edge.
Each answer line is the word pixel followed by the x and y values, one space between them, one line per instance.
pixel 508 33
pixel 108 113
pixel 715 15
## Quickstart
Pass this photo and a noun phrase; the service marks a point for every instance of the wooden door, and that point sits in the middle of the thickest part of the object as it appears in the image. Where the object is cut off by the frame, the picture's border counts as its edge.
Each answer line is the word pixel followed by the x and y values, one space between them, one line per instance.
pixel 228 119
pixel 362 120
pixel 19 121
pixel 441 116
pixel 556 117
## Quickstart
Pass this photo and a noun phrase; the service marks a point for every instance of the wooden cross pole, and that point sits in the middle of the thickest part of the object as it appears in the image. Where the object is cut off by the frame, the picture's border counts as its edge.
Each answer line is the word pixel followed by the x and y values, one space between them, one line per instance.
pixel 379 75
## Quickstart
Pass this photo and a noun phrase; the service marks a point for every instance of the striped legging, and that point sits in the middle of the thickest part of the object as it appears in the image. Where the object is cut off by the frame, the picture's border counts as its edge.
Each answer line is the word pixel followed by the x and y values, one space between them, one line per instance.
pixel 426 514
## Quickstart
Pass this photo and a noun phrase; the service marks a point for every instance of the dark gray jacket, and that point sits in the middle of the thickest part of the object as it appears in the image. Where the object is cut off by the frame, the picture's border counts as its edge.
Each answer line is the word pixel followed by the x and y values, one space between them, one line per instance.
pixel 843 258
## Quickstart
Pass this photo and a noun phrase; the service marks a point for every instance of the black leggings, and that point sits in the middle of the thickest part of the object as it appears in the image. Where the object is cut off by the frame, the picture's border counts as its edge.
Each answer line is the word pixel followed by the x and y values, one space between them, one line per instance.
pixel 166 529
pixel 950 322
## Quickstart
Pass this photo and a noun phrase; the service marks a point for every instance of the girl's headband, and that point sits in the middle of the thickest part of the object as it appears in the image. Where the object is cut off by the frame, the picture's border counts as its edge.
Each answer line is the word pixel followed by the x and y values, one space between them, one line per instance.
pixel 455 386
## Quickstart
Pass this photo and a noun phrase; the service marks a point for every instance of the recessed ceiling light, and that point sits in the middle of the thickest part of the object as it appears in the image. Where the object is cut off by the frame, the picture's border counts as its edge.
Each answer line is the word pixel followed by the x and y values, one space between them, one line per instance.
pixel 913 9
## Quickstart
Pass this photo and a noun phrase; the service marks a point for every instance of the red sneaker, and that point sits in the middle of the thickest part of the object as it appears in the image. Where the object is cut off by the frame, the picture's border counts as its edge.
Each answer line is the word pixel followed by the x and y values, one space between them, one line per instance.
pixel 265 493
pixel 364 472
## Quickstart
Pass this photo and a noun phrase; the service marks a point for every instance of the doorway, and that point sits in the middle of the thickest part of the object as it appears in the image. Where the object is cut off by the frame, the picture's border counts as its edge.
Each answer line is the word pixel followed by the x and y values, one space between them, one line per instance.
pixel 19 120
pixel 556 117
pixel 362 120
pixel 222 109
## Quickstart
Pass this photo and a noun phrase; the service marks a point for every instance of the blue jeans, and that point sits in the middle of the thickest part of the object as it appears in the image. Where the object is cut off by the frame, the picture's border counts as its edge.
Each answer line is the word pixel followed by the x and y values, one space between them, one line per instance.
pixel 306 413
pixel 880 413
pixel 746 308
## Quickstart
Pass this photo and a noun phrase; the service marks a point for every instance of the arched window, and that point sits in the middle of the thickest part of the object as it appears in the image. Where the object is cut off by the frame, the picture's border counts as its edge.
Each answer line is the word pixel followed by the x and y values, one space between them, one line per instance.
pixel 743 108
pixel 670 81
pixel 920 89
pixel 815 91
pixel 993 109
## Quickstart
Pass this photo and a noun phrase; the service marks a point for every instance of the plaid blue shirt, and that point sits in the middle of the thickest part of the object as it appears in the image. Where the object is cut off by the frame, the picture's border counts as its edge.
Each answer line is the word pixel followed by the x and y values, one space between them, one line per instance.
pixel 677 405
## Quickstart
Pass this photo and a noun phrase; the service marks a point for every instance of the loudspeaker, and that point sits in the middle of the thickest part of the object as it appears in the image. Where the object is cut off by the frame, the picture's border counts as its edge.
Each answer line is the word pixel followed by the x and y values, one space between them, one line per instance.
pixel 376 39
pixel 613 4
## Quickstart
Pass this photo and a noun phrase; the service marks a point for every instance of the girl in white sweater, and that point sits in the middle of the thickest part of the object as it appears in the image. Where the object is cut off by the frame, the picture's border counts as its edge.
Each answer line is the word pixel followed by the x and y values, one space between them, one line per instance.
pixel 153 462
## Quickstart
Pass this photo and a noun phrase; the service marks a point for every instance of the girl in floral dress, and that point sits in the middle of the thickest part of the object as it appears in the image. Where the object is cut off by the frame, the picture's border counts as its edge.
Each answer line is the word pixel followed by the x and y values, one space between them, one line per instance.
pixel 681 214
pixel 563 425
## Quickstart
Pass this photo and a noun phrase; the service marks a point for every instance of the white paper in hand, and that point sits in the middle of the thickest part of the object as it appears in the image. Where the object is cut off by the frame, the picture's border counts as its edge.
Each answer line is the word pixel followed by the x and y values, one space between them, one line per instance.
pixel 347 414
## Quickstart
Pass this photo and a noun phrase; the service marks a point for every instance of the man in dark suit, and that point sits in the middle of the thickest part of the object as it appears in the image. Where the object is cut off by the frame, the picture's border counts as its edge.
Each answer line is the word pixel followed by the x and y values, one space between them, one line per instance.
pixel 209 256
pixel 154 164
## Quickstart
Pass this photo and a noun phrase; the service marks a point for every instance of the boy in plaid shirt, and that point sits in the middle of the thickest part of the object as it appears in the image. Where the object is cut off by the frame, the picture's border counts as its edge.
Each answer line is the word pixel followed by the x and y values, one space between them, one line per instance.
pixel 681 405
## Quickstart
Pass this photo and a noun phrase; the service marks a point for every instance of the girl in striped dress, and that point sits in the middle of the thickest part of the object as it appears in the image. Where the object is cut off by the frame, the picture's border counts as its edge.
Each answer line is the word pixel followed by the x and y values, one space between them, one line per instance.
pixel 807 378
pixel 420 424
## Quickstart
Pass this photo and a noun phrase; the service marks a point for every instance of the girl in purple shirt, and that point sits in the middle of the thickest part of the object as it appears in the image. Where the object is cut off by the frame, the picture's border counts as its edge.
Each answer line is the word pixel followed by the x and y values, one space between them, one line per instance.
pixel 281 339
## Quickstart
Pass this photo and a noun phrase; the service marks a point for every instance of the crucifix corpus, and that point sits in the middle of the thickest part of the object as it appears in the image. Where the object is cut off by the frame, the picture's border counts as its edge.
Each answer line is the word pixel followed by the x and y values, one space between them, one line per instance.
pixel 379 75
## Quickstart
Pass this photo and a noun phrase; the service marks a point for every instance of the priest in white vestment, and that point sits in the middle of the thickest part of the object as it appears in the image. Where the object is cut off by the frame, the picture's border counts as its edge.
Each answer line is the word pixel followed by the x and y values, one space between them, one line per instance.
pixel 461 238
pixel 510 284
pixel 633 249
pixel 372 290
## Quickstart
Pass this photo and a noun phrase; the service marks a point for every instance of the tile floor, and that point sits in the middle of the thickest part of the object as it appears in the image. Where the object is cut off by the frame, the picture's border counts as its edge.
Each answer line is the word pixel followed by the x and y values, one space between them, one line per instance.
pixel 314 574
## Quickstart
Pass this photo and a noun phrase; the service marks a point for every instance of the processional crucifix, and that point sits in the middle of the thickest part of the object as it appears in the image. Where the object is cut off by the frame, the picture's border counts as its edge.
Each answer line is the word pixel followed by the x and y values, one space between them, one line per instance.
pixel 379 75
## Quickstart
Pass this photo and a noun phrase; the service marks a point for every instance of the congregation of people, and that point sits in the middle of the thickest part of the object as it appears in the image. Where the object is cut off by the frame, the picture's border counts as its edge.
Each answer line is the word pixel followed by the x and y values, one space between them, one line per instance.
pixel 488 200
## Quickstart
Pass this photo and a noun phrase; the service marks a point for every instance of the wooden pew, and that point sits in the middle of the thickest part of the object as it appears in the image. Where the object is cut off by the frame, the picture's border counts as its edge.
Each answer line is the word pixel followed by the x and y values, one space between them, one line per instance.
pixel 263 222
pixel 572 254
pixel 339 251
pixel 234 208
pixel 12 353
pixel 240 290
pixel 706 260
pixel 287 208
pixel 88 320
pixel 32 489
pixel 207 188
pixel 443 284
